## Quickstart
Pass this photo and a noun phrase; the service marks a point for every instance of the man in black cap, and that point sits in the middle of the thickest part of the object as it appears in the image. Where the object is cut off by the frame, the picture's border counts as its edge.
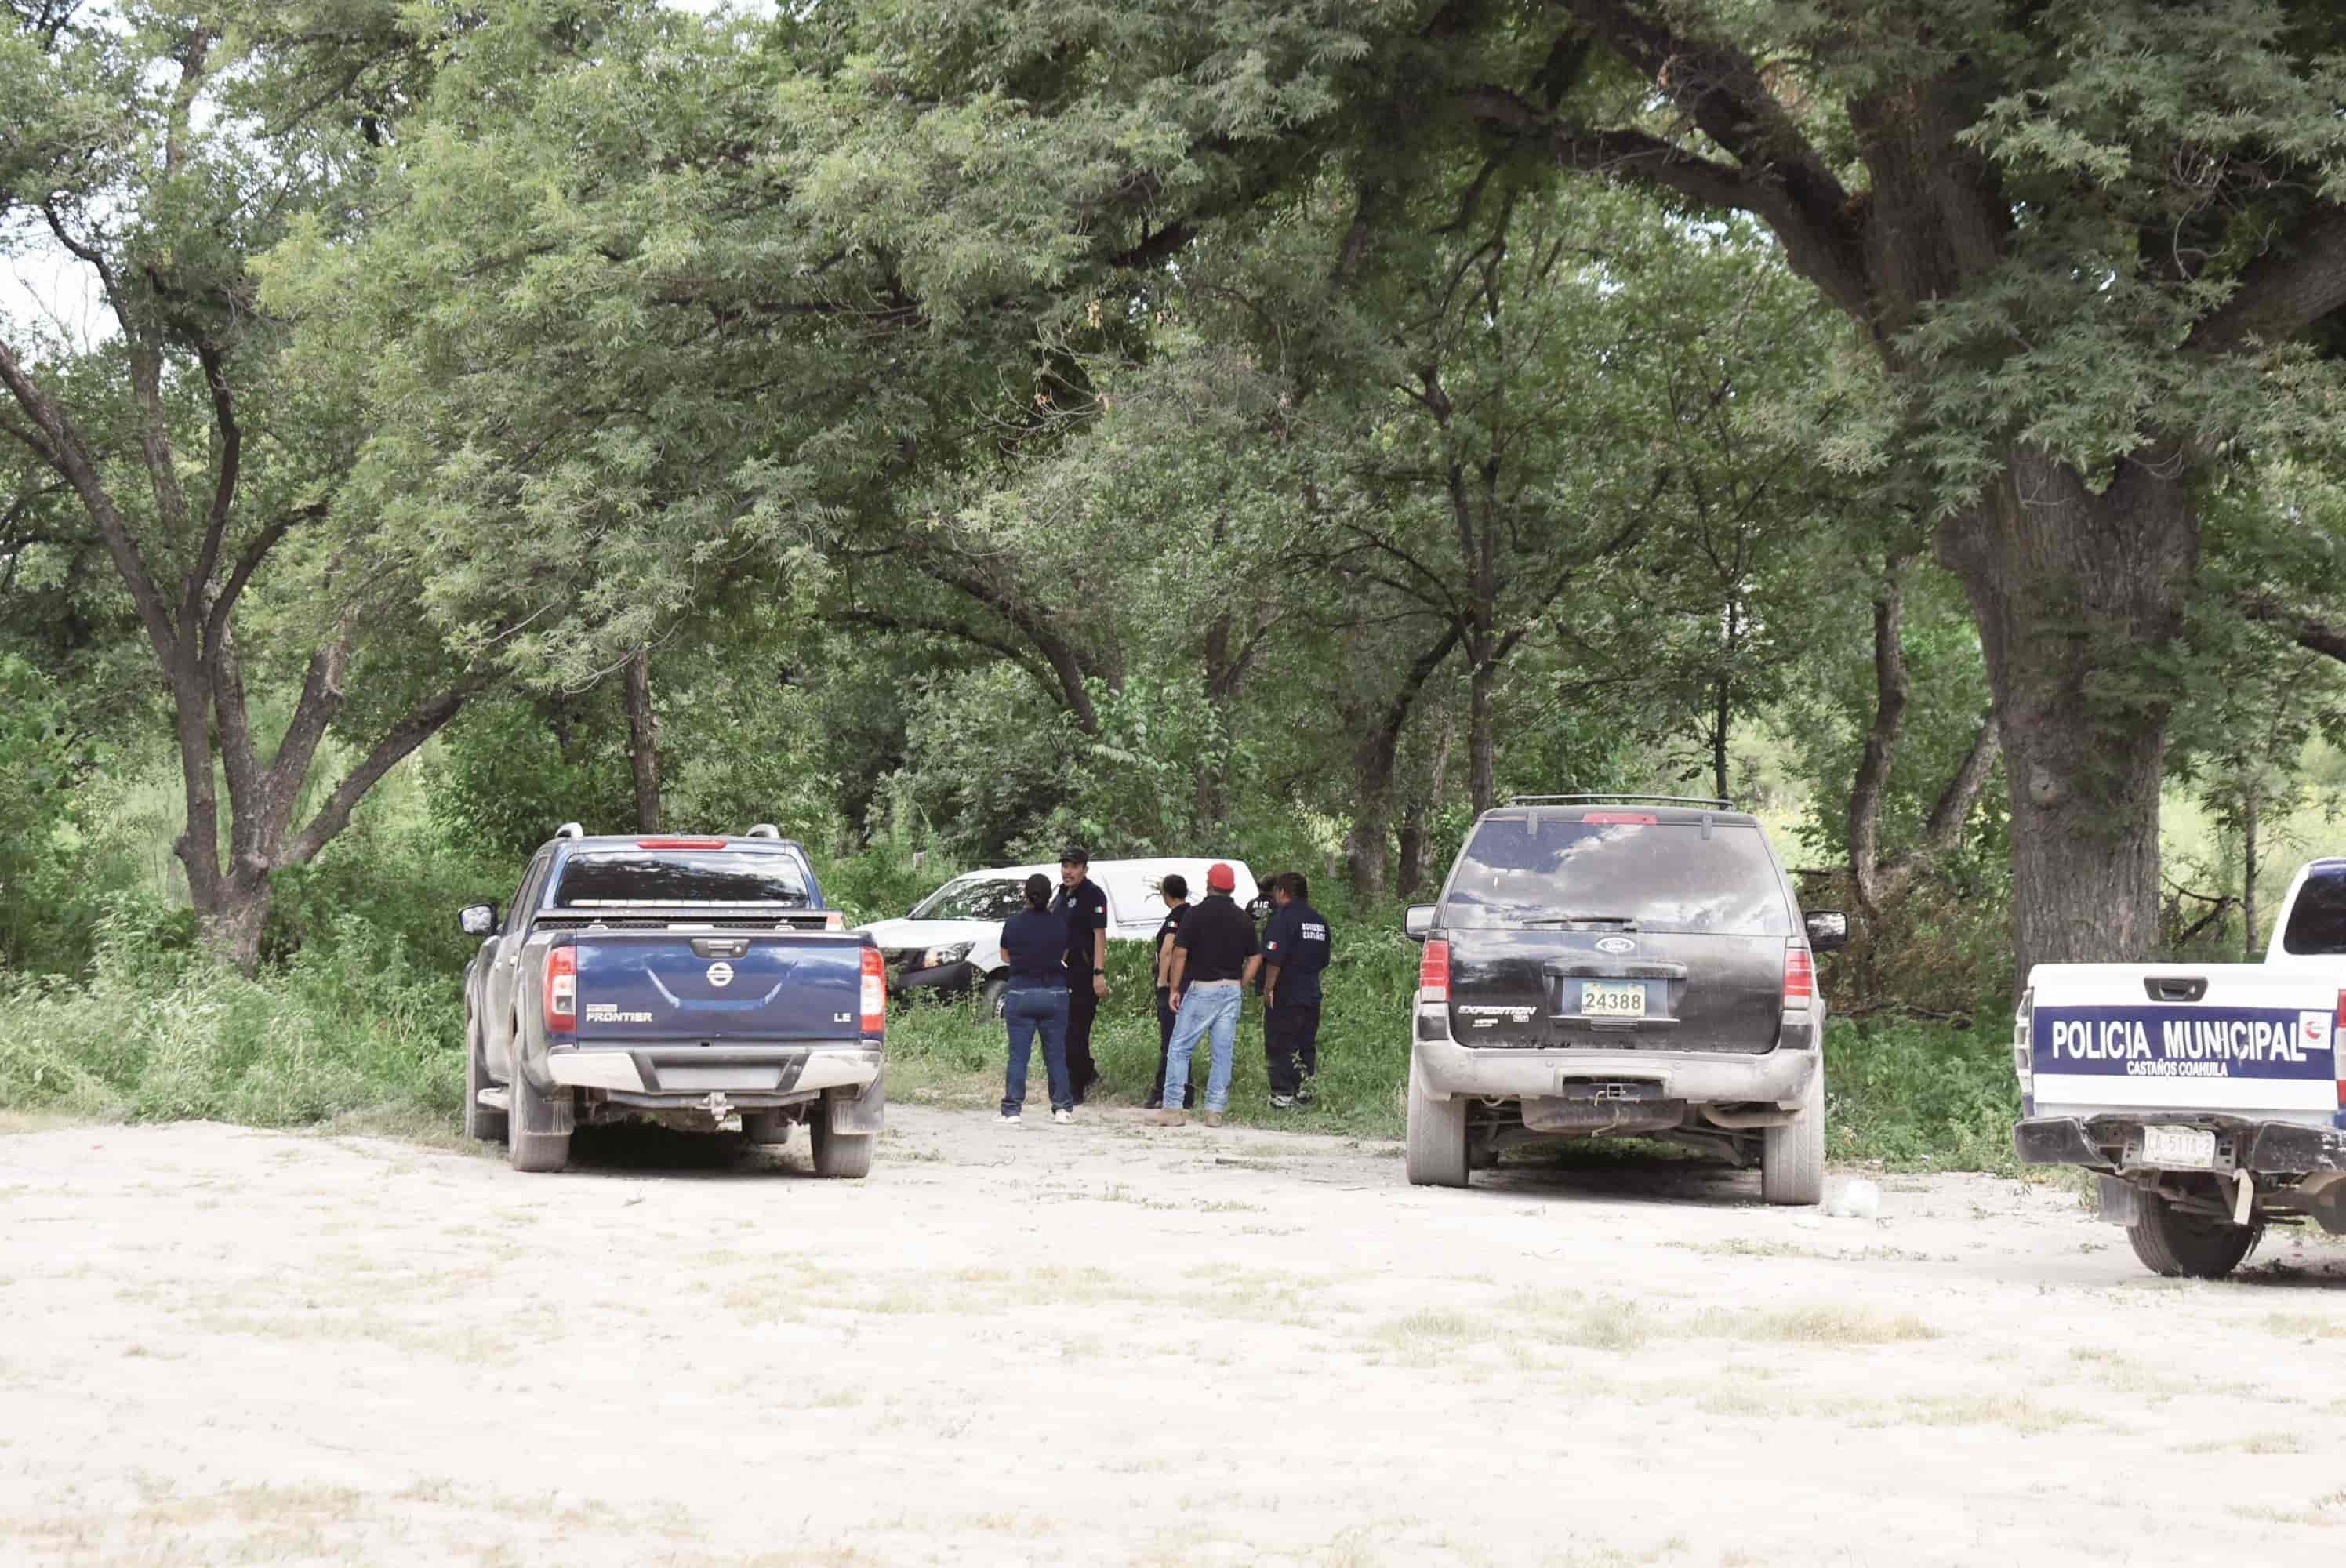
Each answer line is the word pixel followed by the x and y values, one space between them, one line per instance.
pixel 1175 890
pixel 1084 907
pixel 1295 949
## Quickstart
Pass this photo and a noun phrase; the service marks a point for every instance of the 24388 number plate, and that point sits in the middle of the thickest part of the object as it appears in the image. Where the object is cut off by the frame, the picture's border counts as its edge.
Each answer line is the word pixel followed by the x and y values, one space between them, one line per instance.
pixel 1612 999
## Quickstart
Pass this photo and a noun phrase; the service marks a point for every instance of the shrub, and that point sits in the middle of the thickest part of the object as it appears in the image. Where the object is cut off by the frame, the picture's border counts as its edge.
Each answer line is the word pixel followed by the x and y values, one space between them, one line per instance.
pixel 157 1034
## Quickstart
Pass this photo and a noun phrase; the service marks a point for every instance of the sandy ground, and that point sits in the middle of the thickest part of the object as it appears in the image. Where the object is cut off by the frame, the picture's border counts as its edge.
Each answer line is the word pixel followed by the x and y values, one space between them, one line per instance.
pixel 1113 1344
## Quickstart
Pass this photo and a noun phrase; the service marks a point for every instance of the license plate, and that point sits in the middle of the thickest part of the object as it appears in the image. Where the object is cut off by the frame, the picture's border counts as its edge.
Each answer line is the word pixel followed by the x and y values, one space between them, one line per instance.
pixel 2179 1148
pixel 1612 999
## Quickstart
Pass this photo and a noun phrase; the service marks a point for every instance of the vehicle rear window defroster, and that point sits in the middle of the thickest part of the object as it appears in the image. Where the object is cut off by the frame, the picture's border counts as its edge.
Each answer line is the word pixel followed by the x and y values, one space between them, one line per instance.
pixel 1662 876
pixel 618 878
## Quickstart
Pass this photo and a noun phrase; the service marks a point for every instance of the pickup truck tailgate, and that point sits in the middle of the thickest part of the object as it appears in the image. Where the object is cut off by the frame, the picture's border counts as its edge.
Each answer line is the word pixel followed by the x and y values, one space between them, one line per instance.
pixel 642 987
pixel 2227 1038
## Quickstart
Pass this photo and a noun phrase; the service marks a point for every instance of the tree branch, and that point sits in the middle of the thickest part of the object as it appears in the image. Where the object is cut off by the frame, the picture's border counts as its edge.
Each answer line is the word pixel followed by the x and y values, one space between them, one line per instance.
pixel 223 486
pixel 70 456
pixel 2283 291
pixel 422 721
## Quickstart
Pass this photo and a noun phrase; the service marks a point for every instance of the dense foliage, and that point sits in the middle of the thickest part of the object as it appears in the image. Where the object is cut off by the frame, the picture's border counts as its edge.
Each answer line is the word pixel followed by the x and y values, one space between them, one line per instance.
pixel 1277 427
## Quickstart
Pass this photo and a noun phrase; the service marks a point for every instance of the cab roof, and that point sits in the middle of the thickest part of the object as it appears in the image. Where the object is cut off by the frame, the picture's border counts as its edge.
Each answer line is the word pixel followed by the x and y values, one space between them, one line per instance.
pixel 1657 813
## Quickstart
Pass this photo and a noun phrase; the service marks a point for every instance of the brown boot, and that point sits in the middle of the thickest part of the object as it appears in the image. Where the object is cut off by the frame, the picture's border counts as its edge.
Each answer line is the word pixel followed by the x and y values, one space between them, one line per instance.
pixel 1168 1118
pixel 1213 1118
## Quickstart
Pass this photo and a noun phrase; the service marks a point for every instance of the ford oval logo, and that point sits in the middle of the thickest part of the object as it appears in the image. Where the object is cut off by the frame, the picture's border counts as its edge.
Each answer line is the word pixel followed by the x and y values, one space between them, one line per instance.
pixel 1615 944
pixel 720 974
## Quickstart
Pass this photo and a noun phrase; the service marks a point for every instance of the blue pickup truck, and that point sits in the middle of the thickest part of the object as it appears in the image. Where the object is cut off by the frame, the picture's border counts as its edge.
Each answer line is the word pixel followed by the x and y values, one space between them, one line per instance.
pixel 697 983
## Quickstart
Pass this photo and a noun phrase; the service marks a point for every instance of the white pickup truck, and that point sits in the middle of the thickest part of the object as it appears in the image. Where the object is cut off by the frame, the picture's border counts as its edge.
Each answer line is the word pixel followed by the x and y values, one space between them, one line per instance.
pixel 2208 1098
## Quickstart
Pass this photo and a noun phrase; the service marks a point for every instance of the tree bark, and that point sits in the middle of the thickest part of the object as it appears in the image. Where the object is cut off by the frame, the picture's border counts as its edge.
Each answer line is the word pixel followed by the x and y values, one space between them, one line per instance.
pixel 643 742
pixel 2067 587
pixel 1409 859
pixel 2249 872
pixel 1722 701
pixel 1481 738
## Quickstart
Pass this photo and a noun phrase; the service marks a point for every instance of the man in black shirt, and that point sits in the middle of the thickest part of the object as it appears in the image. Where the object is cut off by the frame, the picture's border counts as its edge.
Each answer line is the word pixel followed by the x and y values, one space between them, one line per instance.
pixel 1084 907
pixel 1295 949
pixel 1175 893
pixel 1213 957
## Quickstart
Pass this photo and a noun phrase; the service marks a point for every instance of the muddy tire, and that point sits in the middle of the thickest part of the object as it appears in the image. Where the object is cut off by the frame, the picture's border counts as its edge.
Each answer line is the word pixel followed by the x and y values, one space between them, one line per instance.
pixel 767 1127
pixel 2181 1244
pixel 1792 1156
pixel 480 1122
pixel 533 1152
pixel 846 1157
pixel 992 996
pixel 1436 1152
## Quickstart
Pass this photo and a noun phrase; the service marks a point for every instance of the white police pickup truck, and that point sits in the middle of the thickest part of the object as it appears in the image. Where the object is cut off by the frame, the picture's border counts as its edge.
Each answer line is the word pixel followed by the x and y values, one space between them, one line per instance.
pixel 2208 1098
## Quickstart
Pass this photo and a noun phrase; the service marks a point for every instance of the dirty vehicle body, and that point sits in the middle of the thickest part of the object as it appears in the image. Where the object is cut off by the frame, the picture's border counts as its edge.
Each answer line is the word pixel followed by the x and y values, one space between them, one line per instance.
pixel 2208 1099
pixel 697 983
pixel 1619 965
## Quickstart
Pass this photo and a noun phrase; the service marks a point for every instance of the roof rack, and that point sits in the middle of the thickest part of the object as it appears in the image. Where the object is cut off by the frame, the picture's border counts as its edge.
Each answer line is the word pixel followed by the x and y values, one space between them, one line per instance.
pixel 763 830
pixel 570 830
pixel 1642 800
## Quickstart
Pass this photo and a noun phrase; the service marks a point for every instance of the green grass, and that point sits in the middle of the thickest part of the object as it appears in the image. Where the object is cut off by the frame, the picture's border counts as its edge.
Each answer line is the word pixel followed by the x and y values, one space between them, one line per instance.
pixel 358 1016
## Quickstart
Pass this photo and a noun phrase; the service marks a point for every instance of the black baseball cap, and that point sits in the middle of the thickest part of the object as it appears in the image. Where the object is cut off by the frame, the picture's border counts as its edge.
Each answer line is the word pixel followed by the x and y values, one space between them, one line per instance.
pixel 1075 855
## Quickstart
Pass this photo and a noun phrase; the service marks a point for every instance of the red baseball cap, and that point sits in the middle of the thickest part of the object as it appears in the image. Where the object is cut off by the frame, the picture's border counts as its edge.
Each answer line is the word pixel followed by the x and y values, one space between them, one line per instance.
pixel 1220 878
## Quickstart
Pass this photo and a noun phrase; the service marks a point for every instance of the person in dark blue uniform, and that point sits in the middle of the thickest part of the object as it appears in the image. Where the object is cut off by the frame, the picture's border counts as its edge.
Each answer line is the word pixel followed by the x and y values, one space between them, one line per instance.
pixel 1083 908
pixel 1175 893
pixel 1035 944
pixel 1295 949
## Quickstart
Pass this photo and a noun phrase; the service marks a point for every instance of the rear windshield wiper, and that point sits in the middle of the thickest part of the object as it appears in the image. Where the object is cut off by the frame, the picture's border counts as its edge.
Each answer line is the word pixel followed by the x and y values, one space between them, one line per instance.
pixel 1626 923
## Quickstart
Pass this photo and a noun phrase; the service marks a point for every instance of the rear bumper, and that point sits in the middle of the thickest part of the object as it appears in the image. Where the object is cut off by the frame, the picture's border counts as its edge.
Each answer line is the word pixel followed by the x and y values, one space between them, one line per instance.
pixel 1450 1070
pixel 944 980
pixel 690 1072
pixel 2099 1143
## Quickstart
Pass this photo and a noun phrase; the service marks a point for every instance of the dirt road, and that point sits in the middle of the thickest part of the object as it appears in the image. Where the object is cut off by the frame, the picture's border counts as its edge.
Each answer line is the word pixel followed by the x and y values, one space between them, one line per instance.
pixel 1110 1344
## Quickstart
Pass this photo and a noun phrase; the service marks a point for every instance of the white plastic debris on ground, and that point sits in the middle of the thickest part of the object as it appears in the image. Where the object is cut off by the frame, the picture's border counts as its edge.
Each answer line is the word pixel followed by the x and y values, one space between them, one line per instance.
pixel 1856 1198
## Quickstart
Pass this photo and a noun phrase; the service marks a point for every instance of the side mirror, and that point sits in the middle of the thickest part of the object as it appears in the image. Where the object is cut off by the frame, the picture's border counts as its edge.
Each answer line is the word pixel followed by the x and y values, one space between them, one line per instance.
pixel 1828 931
pixel 477 920
pixel 1418 924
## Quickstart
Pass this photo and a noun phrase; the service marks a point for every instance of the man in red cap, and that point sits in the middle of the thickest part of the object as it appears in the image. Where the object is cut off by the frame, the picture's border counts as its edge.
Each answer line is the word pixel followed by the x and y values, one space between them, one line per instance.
pixel 1214 957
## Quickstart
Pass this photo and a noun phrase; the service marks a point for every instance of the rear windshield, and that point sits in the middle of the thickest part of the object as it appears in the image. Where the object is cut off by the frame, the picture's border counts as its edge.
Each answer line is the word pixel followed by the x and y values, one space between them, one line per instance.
pixel 974 897
pixel 621 878
pixel 2317 920
pixel 1662 876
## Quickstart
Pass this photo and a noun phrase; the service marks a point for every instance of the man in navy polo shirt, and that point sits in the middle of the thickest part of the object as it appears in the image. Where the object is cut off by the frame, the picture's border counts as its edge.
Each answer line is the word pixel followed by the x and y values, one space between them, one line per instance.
pixel 1083 906
pixel 1295 949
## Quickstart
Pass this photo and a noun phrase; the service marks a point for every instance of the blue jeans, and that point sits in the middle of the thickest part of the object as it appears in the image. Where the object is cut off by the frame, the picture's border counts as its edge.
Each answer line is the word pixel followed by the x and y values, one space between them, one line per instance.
pixel 1210 1004
pixel 1028 1006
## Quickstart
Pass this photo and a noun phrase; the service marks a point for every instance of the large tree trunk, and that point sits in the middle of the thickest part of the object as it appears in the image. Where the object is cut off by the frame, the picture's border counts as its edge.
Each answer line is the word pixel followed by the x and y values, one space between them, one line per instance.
pixel 643 742
pixel 2248 871
pixel 1722 698
pixel 1366 841
pixel 1409 868
pixel 1481 737
pixel 2071 589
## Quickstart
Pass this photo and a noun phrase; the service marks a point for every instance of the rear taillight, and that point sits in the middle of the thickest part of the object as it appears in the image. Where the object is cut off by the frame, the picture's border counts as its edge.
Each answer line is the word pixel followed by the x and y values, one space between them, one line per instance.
pixel 875 992
pixel 1799 974
pixel 2023 1042
pixel 561 990
pixel 679 843
pixel 1434 972
pixel 1620 819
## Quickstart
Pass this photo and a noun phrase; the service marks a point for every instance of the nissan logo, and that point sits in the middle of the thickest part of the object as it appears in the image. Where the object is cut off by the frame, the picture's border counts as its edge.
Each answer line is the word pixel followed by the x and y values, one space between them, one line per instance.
pixel 720 974
pixel 1615 944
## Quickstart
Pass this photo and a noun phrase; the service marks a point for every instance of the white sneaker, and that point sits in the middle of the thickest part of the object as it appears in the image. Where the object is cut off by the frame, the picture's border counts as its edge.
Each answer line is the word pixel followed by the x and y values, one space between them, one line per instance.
pixel 1009 1119
pixel 1063 1117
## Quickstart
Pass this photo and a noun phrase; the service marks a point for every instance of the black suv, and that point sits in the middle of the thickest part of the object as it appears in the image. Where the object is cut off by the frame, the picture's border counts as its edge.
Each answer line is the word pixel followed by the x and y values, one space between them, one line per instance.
pixel 1608 965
